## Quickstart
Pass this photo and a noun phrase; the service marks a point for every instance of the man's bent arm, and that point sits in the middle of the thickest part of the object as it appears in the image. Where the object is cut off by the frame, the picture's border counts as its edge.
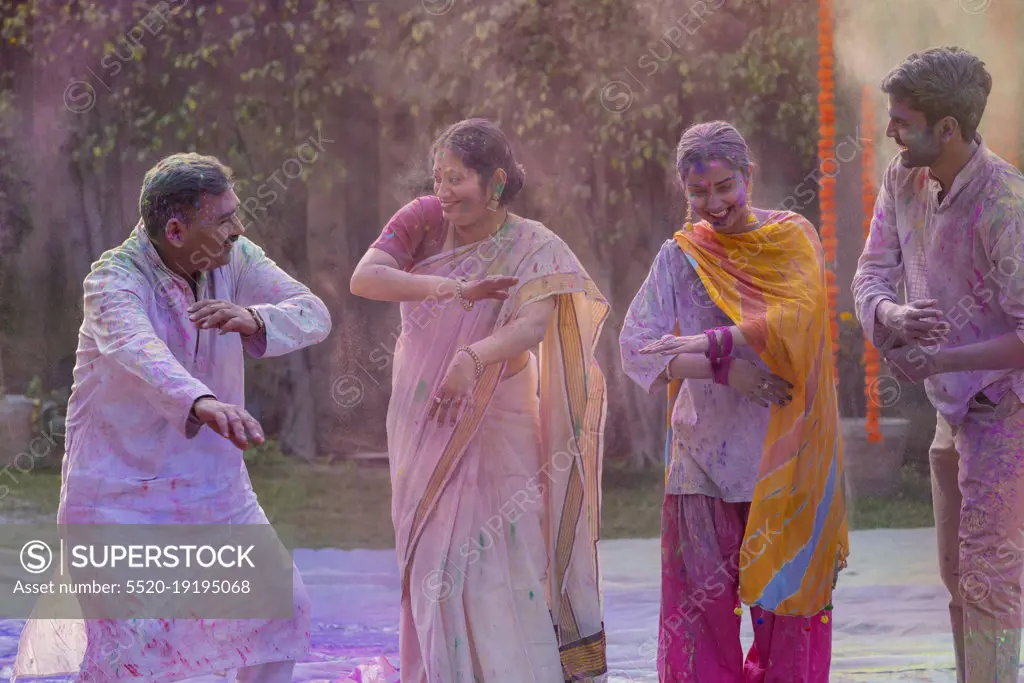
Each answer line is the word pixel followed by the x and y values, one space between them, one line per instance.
pixel 1007 256
pixel 293 316
pixel 1001 353
pixel 880 268
pixel 116 318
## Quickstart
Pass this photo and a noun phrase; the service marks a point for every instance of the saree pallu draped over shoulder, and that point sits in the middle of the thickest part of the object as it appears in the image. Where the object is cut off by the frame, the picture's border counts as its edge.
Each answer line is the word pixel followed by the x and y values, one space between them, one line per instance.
pixel 770 282
pixel 502 509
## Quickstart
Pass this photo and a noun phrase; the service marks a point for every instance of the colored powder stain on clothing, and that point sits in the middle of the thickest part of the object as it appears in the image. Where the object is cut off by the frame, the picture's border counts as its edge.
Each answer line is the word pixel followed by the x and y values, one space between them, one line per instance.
pixel 481 540
pixel 512 531
pixel 531 595
pixel 421 391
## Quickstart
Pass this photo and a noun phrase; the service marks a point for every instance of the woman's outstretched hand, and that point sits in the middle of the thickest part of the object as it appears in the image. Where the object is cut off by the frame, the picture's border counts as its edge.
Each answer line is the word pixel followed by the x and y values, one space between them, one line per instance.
pixel 761 386
pixel 671 345
pixel 455 394
pixel 491 287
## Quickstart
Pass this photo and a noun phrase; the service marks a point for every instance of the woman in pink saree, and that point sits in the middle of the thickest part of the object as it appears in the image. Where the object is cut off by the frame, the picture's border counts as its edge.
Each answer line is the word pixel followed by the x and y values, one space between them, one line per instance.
pixel 495 451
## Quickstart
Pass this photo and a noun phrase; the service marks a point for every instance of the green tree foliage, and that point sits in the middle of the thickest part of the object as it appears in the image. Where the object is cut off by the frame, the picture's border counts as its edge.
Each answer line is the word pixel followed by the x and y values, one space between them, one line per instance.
pixel 249 80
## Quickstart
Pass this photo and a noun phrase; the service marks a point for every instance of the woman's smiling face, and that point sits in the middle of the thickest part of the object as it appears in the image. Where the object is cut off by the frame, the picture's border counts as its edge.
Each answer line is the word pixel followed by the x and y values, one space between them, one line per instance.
pixel 718 194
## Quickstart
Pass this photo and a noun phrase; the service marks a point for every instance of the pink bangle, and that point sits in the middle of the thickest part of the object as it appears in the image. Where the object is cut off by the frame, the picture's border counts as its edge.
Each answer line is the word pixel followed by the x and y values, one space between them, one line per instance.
pixel 716 350
pixel 726 341
pixel 720 370
pixel 713 351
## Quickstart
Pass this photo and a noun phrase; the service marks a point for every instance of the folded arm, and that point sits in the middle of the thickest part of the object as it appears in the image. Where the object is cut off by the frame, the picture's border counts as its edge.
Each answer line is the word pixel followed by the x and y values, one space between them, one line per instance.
pixel 1000 353
pixel 523 333
pixel 880 268
pixel 1005 351
pixel 116 318
pixel 293 316
pixel 378 276
pixel 656 312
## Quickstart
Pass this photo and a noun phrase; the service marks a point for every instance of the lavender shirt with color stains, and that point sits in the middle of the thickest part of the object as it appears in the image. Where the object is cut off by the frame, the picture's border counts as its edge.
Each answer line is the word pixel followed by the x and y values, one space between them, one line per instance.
pixel 966 252
pixel 718 434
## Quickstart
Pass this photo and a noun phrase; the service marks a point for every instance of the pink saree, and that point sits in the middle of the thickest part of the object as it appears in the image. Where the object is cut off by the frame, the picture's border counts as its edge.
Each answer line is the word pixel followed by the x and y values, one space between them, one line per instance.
pixel 497 518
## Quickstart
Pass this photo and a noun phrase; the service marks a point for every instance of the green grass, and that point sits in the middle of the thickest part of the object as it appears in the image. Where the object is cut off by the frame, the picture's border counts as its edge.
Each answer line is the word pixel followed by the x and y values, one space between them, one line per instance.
pixel 348 505
pixel 909 507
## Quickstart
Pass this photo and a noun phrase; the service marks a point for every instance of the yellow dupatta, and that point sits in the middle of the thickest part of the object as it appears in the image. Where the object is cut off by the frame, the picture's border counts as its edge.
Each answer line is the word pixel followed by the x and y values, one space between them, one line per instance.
pixel 770 282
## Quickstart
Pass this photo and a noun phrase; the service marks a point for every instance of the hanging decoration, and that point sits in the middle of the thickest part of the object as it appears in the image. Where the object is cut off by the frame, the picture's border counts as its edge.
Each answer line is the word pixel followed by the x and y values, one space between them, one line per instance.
pixel 872 358
pixel 827 163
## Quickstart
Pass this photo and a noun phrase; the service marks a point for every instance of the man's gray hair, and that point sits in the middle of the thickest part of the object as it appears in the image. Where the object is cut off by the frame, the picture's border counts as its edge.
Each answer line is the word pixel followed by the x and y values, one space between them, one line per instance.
pixel 175 188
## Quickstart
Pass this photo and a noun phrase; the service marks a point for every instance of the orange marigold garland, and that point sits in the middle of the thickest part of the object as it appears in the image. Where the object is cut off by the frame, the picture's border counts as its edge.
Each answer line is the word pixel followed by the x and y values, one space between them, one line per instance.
pixel 826 145
pixel 872 359
pixel 1004 24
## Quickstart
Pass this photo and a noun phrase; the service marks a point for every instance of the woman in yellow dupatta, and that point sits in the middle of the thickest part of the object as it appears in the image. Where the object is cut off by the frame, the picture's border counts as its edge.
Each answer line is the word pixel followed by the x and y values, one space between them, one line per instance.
pixel 754 511
pixel 495 452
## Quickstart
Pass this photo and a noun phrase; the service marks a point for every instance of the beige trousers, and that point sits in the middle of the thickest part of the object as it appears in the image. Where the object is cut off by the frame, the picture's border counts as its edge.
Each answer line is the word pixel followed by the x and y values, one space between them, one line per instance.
pixel 977 472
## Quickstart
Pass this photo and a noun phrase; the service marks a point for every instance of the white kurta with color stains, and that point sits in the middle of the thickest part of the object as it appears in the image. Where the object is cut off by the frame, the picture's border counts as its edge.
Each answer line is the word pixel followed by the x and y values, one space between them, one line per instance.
pixel 134 457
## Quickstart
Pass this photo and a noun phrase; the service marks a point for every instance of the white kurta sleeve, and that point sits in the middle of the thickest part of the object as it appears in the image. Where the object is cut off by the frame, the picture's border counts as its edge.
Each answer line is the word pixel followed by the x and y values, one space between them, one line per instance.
pixel 116 318
pixel 294 317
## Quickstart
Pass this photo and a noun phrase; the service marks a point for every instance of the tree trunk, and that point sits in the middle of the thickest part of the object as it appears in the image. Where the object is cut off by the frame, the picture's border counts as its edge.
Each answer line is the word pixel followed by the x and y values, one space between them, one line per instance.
pixel 298 431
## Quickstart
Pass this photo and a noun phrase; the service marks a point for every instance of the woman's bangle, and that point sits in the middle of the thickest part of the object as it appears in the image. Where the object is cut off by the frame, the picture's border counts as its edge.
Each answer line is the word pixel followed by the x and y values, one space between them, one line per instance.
pixel 713 351
pixel 668 370
pixel 726 341
pixel 716 350
pixel 720 370
pixel 476 359
pixel 460 295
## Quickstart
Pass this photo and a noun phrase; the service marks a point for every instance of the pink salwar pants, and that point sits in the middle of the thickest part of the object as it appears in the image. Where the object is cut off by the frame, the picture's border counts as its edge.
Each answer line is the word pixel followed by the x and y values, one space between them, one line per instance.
pixel 699 632
pixel 978 498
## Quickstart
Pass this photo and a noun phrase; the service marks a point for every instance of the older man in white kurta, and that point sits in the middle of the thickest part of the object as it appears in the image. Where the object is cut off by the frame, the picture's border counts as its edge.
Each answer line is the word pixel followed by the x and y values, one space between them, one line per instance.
pixel 137 453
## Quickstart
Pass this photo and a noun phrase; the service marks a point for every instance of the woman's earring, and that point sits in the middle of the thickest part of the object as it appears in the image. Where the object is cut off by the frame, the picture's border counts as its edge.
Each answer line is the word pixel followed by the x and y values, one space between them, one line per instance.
pixel 689 214
pixel 493 204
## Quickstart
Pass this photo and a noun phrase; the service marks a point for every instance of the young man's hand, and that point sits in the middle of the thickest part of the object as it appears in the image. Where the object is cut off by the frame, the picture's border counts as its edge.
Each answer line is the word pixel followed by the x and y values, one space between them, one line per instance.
pixel 918 321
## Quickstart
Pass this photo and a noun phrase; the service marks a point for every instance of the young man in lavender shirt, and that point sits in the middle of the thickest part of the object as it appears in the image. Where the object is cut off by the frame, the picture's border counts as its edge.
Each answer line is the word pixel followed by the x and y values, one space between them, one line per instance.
pixel 169 314
pixel 949 225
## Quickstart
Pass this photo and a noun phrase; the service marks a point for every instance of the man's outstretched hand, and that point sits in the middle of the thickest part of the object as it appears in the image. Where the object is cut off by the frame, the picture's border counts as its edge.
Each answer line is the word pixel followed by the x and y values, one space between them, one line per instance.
pixel 231 422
